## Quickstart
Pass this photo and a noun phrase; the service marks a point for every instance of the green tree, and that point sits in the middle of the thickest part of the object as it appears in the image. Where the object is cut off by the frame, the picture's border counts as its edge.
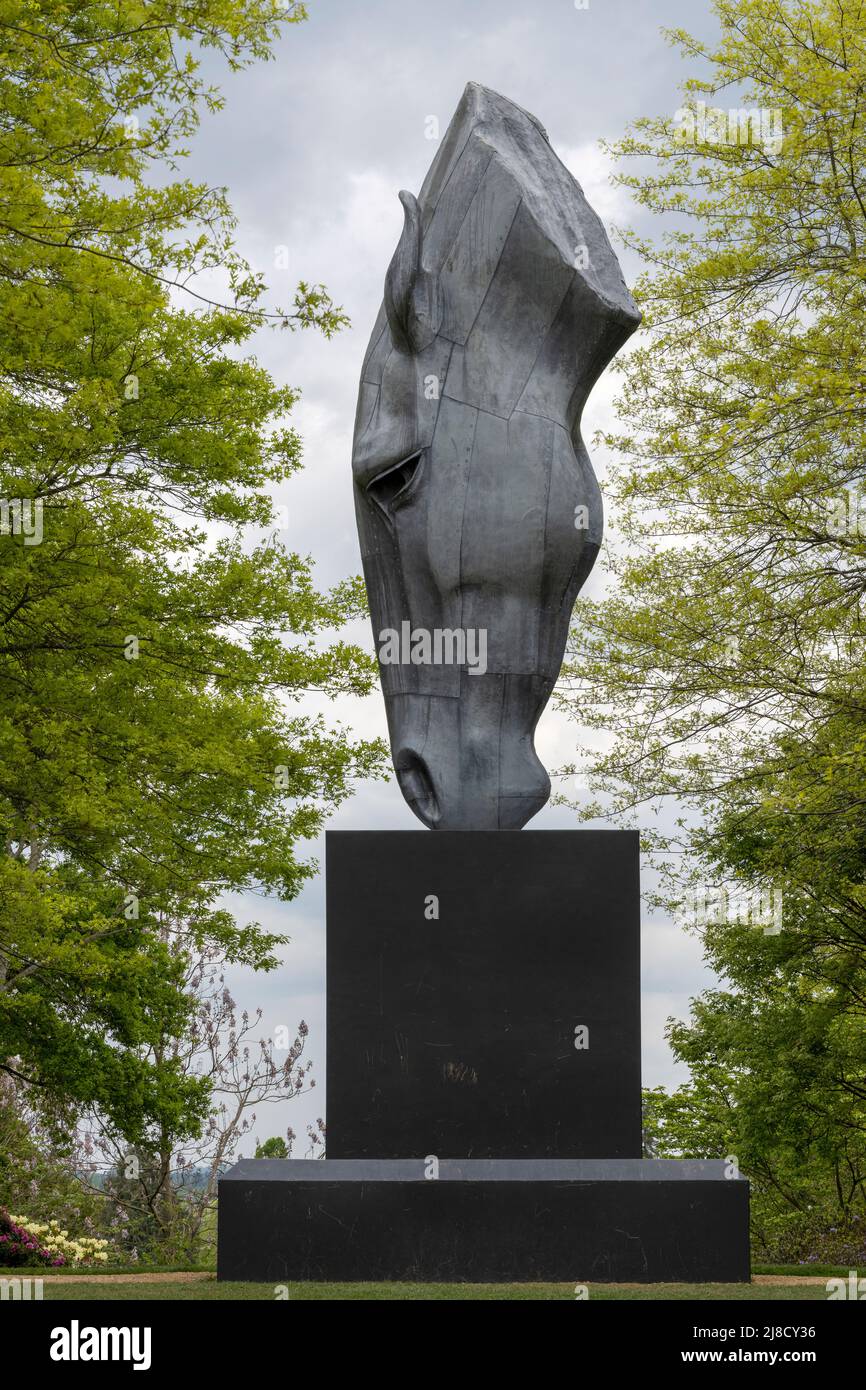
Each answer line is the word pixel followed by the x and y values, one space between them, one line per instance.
pixel 153 744
pixel 38 1173
pixel 162 1192
pixel 785 1041
pixel 735 607
pixel 275 1147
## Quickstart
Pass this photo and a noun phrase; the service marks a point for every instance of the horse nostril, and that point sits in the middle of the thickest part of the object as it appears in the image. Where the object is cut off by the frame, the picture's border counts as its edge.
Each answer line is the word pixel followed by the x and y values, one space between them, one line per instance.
pixel 416 784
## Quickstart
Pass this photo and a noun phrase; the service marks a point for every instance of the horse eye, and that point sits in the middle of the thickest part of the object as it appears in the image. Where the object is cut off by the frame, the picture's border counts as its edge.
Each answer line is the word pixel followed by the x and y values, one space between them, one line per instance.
pixel 391 485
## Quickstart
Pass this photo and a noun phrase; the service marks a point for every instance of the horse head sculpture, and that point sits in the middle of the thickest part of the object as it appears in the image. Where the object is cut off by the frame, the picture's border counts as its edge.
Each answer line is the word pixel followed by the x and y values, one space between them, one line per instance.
pixel 478 510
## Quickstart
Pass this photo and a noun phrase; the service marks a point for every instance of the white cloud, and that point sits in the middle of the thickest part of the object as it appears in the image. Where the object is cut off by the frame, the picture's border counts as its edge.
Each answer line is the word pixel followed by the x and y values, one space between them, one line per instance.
pixel 593 170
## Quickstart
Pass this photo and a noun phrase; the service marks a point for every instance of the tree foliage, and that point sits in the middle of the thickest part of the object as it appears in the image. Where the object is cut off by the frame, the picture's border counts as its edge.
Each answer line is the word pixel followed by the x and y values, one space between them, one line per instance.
pixel 155 748
pixel 735 611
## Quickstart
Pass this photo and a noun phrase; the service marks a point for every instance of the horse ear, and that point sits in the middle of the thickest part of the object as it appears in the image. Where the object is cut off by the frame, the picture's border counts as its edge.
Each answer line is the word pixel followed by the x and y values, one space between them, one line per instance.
pixel 412 298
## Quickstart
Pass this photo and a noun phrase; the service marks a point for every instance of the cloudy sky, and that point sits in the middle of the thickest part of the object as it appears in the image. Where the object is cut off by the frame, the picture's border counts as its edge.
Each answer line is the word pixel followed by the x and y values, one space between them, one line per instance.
pixel 313 148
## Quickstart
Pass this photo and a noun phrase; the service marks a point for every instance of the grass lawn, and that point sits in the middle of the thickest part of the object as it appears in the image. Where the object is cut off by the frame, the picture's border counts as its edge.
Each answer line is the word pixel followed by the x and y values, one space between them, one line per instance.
pixel 201 1284
pixel 208 1289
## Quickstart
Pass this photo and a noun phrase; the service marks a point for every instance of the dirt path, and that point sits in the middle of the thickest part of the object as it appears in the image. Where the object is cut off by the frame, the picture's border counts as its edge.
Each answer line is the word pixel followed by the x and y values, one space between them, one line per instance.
pixel 787 1280
pixel 85 1277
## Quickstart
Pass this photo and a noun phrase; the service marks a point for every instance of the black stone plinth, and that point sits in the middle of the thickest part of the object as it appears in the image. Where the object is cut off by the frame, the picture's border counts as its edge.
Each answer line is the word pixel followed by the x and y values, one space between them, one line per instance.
pixel 483 1221
pixel 455 1035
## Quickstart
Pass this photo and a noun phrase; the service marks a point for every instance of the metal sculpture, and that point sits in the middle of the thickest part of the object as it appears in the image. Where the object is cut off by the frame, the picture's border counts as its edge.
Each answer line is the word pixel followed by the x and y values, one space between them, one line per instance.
pixel 478 511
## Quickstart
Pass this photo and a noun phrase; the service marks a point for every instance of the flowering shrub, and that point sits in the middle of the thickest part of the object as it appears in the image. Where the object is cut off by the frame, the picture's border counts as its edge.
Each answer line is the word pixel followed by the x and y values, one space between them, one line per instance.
pixel 20 1246
pixel 819 1235
pixel 87 1250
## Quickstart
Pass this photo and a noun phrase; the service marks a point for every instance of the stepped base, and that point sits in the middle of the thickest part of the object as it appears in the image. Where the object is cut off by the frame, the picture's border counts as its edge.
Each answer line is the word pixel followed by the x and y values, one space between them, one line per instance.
pixel 483 1220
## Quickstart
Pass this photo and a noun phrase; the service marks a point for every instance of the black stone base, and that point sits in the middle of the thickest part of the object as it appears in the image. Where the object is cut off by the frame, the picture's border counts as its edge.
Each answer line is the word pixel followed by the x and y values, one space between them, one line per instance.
pixel 454 1034
pixel 483 1221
